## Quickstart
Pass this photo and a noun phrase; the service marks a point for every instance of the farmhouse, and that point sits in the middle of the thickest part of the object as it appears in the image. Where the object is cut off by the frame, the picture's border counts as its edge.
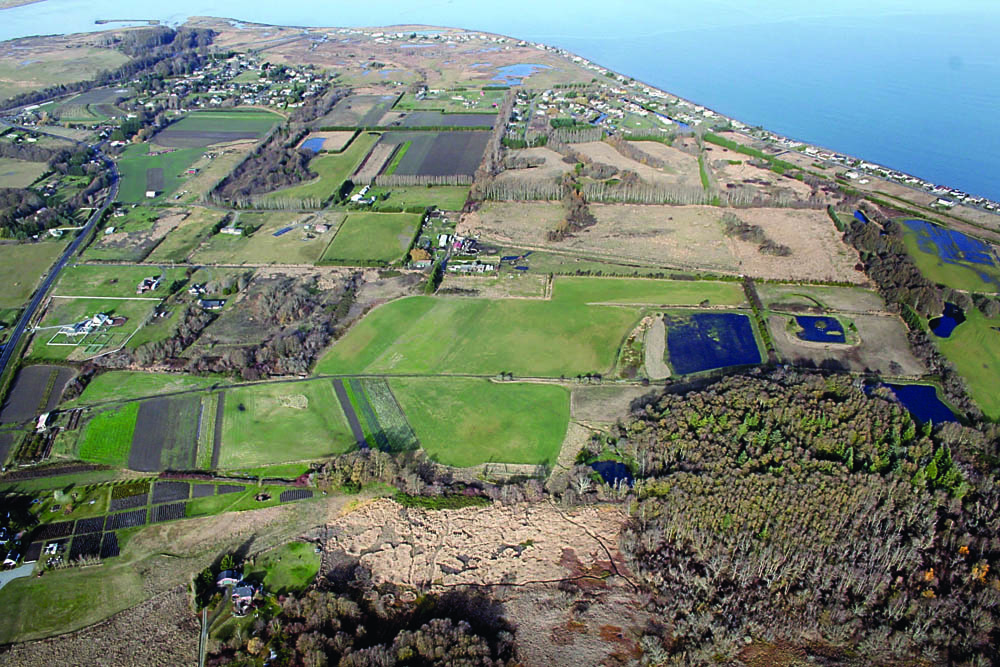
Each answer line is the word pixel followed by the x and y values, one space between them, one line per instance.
pixel 150 194
pixel 234 231
pixel 85 327
pixel 147 285
pixel 211 304
pixel 228 578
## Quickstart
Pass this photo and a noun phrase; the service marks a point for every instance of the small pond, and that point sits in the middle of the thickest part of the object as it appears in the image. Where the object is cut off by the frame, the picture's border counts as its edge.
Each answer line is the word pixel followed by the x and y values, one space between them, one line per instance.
pixel 513 74
pixel 923 403
pixel 861 216
pixel 612 471
pixel 315 144
pixel 943 326
pixel 820 329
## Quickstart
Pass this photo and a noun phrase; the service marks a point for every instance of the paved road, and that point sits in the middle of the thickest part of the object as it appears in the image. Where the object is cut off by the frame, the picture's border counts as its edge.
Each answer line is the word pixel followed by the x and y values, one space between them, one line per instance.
pixel 22 324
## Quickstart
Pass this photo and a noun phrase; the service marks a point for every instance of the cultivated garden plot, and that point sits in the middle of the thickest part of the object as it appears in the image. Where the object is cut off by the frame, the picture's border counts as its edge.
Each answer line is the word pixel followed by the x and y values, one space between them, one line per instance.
pixel 199 129
pixel 132 519
pixel 91 525
pixel 36 389
pixel 85 546
pixel 383 424
pixel 169 512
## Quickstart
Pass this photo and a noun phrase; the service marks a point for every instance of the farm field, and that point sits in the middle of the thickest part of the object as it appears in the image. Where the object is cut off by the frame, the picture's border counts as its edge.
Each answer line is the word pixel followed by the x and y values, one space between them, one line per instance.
pixel 357 111
pixel 282 423
pixel 36 389
pixel 439 153
pixel 199 129
pixel 332 169
pixel 297 245
pixel 529 338
pixel 107 438
pixel 135 235
pixel 112 281
pixel 20 73
pixel 974 348
pixel 842 299
pixel 377 238
pixel 951 258
pixel 650 292
pixel 445 197
pixel 162 173
pixel 431 118
pixel 468 100
pixel 20 173
pixel 182 240
pixel 465 422
pixel 21 268
pixel 128 385
pixel 166 434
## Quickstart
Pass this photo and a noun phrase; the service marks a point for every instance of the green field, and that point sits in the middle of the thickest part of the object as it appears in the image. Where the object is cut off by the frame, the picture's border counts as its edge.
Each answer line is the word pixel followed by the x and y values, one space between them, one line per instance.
pixel 465 422
pixel 117 281
pixel 182 240
pixel 107 438
pixel 297 246
pixel 128 385
pixel 974 348
pixel 20 173
pixel 22 266
pixel 287 569
pixel 227 121
pixel 136 160
pixel 332 170
pixel 282 423
pixel 445 197
pixel 560 337
pixel 372 237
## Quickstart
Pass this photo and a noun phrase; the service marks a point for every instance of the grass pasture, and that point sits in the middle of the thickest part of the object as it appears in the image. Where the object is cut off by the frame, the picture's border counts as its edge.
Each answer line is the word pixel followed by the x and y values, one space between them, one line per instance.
pixel 282 423
pixel 178 245
pixel 372 238
pixel 107 438
pixel 128 385
pixel 115 281
pixel 287 569
pixel 162 172
pixel 21 268
pixel 465 422
pixel 199 129
pixel 445 197
pixel 974 348
pixel 19 173
pixel 332 170
pixel 295 246
pixel 37 68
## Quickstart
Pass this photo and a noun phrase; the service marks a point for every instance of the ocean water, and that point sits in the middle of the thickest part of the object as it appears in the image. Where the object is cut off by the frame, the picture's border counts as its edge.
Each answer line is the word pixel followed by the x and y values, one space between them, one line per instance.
pixel 911 84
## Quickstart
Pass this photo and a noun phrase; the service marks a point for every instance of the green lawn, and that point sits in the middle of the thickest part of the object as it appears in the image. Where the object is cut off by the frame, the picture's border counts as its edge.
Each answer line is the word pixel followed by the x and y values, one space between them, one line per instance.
pixel 136 160
pixel 282 423
pixel 107 438
pixel 974 348
pixel 20 173
pixel 564 336
pixel 962 276
pixel 296 246
pixel 372 237
pixel 117 281
pixel 287 569
pixel 22 266
pixel 227 121
pixel 445 197
pixel 465 422
pixel 332 169
pixel 127 385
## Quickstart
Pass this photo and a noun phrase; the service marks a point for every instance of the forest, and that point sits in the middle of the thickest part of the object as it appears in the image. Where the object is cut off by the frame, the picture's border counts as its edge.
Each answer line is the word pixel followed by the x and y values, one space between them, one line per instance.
pixel 797 509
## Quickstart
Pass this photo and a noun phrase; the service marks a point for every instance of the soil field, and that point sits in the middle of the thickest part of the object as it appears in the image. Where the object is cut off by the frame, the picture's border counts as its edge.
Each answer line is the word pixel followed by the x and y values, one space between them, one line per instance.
pixel 331 141
pixel 166 435
pixel 357 111
pixel 374 163
pixel 37 389
pixel 463 422
pixel 22 266
pixel 883 349
pixel 8 440
pixel 606 403
pixel 282 423
pixel 204 128
pixel 439 153
pixel 20 173
pixel 437 119
pixel 381 238
pixel 686 174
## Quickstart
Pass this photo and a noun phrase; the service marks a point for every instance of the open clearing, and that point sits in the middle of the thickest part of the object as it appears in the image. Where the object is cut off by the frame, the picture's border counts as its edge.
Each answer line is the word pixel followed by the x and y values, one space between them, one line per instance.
pixel 112 281
pixel 282 423
pixel 19 173
pixel 974 348
pixel 606 403
pixel 465 422
pixel 50 342
pixel 22 266
pixel 199 129
pixel 25 69
pixel 280 238
pixel 289 568
pixel 530 338
pixel 372 238
pixel 605 153
pixel 107 438
pixel 801 297
pixel 552 168
pixel 143 170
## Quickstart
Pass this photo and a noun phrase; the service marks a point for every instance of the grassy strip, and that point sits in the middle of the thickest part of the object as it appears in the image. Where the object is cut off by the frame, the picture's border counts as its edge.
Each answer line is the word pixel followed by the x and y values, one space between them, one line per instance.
pixel 753 152
pixel 704 174
pixel 206 437
pixel 108 437
pixel 440 502
pixel 400 152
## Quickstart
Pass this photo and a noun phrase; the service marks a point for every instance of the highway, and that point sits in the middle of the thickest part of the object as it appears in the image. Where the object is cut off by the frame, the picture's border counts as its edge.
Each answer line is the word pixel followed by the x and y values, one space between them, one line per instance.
pixel 50 278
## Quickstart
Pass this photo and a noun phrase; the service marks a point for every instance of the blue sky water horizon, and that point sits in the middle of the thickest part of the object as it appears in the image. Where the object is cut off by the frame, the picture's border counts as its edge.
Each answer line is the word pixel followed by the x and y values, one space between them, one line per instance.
pixel 910 84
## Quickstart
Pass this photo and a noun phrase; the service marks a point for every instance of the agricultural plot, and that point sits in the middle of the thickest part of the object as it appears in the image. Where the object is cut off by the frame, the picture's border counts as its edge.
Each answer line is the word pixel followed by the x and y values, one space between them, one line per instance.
pixel 36 389
pixel 199 129
pixel 128 502
pixel 91 525
pixel 384 423
pixel 951 258
pixel 357 111
pixel 162 171
pixel 444 197
pixel 170 512
pixel 166 434
pixel 465 422
pixel 332 170
pixel 107 438
pixel 878 343
pixel 27 70
pixel 206 432
pixel 439 153
pixel 132 519
pixel 372 238
pixel 194 229
pixel 706 341
pixel 85 546
pixel 127 385
pixel 133 237
pixel 814 298
pixel 281 423
pixel 279 238
pixel 21 268
pixel 20 173
pixel 437 119
pixel 109 545
pixel 375 162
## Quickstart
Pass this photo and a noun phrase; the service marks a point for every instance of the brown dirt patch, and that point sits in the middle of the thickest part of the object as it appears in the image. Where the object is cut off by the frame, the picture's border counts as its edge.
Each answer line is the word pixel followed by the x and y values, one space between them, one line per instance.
pixel 333 141
pixel 606 403
pixel 553 168
pixel 605 153
pixel 374 163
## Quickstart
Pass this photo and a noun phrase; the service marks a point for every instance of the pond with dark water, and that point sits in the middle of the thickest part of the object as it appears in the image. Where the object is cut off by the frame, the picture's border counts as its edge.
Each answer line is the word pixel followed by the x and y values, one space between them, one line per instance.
pixel 820 329
pixel 923 403
pixel 706 341
pixel 612 471
pixel 943 326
